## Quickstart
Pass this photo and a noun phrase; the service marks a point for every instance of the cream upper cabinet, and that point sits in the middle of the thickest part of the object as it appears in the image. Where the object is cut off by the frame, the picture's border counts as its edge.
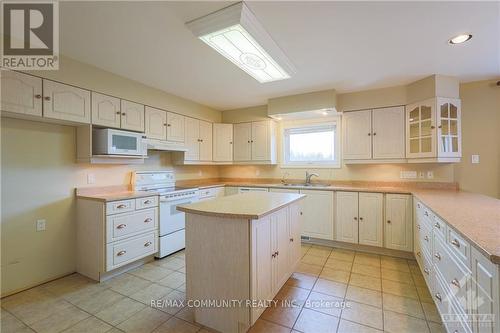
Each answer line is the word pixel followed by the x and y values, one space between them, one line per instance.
pixel 346 220
pixel 242 150
pixel 388 125
pixel 260 140
pixel 449 127
pixel 192 139
pixel 318 214
pixel 398 222
pixel 371 214
pixel 64 102
pixel 206 141
pixel 21 93
pixel 175 127
pixel 223 142
pixel 132 117
pixel 156 123
pixel 421 129
pixel 106 110
pixel 357 131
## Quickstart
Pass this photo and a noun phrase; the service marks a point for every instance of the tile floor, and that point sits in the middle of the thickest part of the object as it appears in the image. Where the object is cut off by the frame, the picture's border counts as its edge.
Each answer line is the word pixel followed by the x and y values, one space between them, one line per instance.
pixel 379 294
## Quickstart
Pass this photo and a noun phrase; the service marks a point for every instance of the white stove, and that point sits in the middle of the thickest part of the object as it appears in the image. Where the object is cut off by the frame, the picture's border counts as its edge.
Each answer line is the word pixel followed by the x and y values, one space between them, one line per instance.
pixel 172 221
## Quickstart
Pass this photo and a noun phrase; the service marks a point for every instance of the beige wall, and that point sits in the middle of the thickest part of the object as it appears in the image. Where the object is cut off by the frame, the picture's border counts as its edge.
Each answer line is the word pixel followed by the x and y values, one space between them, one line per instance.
pixel 480 135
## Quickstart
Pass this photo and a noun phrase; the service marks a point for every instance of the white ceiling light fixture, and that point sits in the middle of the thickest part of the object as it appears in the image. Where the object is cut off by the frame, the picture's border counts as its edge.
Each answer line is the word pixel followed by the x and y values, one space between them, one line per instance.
pixel 460 39
pixel 236 33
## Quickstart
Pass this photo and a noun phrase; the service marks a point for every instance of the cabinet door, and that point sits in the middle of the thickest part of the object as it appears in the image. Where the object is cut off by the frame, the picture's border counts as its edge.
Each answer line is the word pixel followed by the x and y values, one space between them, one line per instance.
pixel 192 140
pixel 223 142
pixel 132 116
pixel 205 141
pixel 346 220
pixel 242 149
pixel 398 222
pixel 21 93
pixel 66 102
pixel 389 133
pixel 318 214
pixel 449 138
pixel 281 240
pixel 295 221
pixel 262 260
pixel 105 110
pixel 156 123
pixel 357 135
pixel 260 141
pixel 175 127
pixel 370 218
pixel 421 129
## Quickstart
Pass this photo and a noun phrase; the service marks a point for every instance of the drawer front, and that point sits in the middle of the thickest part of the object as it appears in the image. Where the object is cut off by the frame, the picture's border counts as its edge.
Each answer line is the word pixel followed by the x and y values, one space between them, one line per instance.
pixel 126 251
pixel 456 276
pixel 147 202
pixel 439 227
pixel 425 238
pixel 428 271
pixel 120 226
pixel 207 193
pixel 122 206
pixel 459 246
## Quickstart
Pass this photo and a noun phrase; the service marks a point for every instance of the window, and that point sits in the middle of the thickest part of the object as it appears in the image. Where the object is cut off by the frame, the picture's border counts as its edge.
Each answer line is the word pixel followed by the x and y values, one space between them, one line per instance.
pixel 311 144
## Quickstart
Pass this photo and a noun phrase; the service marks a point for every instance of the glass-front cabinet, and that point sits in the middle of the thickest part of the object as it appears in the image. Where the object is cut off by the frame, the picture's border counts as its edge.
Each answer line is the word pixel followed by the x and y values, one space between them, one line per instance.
pixel 433 130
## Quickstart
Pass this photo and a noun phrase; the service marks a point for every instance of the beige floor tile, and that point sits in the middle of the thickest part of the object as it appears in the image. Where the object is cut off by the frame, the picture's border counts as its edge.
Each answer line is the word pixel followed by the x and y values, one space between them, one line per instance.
pixel 295 294
pixel 403 305
pixel 187 314
pixel 399 289
pixel 364 314
pixel 127 284
pixel 151 293
pixel 67 284
pixel 313 260
pixel 339 264
pixel 264 326
pixel 120 311
pixel 172 263
pixel 182 288
pixel 182 270
pixel 151 272
pixel 365 281
pixel 144 321
pixel 303 250
pixel 83 291
pixel 436 328
pixel 94 303
pixel 313 322
pixel 285 316
pixel 397 323
pixel 320 251
pixel 173 280
pixel 9 323
pixel 180 254
pixel 60 321
pixel 365 296
pixel 341 254
pixel 301 280
pixel 172 303
pixel 366 270
pixel 398 276
pixel 330 287
pixel 424 295
pixel 419 281
pixel 89 325
pixel 351 327
pixel 335 275
pixel 174 325
pixel 367 259
pixel 308 269
pixel 395 264
pixel 324 303
pixel 431 312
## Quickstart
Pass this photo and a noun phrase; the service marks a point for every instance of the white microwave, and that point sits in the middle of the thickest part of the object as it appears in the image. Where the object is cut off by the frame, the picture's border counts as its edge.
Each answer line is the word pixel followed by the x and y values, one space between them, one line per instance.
pixel 108 141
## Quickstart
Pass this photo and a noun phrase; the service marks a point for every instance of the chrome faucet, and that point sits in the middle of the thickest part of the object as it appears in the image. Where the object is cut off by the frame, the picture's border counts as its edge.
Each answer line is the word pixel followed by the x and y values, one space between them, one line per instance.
pixel 308 177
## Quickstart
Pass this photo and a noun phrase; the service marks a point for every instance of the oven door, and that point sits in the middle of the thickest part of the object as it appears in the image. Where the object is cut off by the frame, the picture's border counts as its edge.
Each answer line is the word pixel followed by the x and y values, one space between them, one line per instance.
pixel 123 143
pixel 171 219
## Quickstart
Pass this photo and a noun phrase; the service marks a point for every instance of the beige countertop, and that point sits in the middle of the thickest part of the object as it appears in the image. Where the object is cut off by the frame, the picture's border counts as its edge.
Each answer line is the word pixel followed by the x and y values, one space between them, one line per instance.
pixel 242 206
pixel 111 193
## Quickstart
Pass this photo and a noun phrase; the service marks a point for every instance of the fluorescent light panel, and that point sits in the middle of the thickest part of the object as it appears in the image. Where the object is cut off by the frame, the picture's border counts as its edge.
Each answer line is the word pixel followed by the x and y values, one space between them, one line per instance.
pixel 228 31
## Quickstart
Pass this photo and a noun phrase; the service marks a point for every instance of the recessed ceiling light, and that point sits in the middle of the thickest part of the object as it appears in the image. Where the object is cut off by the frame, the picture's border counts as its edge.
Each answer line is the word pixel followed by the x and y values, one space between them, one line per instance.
pixel 235 33
pixel 460 39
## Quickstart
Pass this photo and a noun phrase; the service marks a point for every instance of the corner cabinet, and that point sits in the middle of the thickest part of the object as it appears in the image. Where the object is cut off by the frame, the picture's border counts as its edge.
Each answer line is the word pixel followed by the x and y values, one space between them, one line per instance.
pixel 433 130
pixel 255 142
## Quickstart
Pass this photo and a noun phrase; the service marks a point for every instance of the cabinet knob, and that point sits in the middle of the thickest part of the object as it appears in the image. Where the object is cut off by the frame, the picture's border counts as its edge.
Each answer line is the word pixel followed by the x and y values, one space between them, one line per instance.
pixel 277 253
pixel 419 254
pixel 47 98
pixel 455 242
pixel 361 219
pixel 248 141
pixel 301 213
pixel 148 220
pixel 165 124
pixel 418 226
pixel 426 271
pixel 374 133
pixel 438 296
pixel 168 125
pixel 124 114
pixel 273 255
pixel 38 96
pixel 121 226
pixel 118 112
pixel 291 239
pixel 121 253
pixel 230 142
pixel 369 134
pixel 433 127
pixel 426 238
pixel 440 126
pixel 147 244
pixel 355 218
pixel 251 141
pixel 437 225
pixel 389 221
pixel 438 256
pixel 456 283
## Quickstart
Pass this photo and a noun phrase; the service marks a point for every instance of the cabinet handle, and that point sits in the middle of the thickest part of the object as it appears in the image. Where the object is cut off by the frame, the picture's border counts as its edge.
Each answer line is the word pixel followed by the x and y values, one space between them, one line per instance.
pixel 148 220
pixel 361 219
pixel 121 206
pixel 438 296
pixel 38 96
pixel 277 253
pixel 426 213
pixel 124 114
pixel 438 256
pixel 248 141
pixel 168 125
pixel 440 126
pixel 418 205
pixel 147 202
pixel 455 242
pixel 389 221
pixel 419 254
pixel 374 133
pixel 230 142
pixel 426 271
pixel 47 98
pixel 433 127
pixel 121 253
pixel 456 283
pixel 291 239
pixel 437 225
pixel 165 124
pixel 426 238
pixel 273 255
pixel 301 213
pixel 121 226
pixel 118 112
pixel 418 226
pixel 251 141
pixel 369 134
pixel 147 244
pixel 355 218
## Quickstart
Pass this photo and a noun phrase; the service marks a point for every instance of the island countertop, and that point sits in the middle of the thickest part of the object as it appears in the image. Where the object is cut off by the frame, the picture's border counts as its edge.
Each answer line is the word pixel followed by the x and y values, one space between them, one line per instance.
pixel 250 206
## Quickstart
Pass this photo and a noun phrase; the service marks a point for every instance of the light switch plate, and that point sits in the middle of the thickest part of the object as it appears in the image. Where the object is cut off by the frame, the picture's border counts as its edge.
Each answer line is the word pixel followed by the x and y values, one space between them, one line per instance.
pixel 475 159
pixel 40 225
pixel 430 174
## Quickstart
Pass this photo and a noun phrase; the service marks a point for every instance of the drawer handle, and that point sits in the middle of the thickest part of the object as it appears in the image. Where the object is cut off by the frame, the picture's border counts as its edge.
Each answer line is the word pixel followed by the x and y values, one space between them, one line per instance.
pixel 426 213
pixel 419 254
pixel 437 225
pixel 273 255
pixel 121 226
pixel 438 256
pixel 120 206
pixel 148 220
pixel 121 253
pixel 147 202
pixel 38 96
pixel 418 205
pixel 148 244
pixel 426 238
pixel 438 296
pixel 455 242
pixel 426 271
pixel 418 226
pixel 456 283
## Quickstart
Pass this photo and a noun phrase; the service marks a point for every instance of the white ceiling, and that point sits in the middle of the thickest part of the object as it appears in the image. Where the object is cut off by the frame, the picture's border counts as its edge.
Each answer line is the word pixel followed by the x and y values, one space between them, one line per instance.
pixel 348 46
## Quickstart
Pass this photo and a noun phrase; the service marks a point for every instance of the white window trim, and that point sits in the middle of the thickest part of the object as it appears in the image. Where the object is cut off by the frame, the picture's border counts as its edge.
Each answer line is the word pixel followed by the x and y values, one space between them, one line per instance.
pixel 317 122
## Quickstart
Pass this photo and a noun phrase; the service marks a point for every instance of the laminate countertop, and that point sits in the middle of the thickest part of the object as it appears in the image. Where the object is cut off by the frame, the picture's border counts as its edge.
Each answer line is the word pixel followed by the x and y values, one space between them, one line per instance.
pixel 250 206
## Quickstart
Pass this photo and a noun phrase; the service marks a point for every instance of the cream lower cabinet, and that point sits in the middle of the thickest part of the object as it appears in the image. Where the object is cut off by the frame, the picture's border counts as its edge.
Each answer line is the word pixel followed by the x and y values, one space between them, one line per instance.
pixel 346 219
pixel 65 102
pixel 21 93
pixel 398 222
pixel 318 214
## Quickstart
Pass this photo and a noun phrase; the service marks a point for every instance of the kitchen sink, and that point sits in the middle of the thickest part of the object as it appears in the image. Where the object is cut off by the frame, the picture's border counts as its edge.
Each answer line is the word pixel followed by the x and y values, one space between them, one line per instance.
pixel 306 185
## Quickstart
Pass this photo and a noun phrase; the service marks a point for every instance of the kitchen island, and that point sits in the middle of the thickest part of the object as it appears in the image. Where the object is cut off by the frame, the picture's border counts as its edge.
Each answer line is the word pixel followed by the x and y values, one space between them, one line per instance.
pixel 240 250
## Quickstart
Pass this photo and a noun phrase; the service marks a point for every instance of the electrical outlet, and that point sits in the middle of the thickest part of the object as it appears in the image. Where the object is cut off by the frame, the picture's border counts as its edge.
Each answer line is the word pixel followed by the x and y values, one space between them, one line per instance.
pixel 430 174
pixel 40 225
pixel 90 178
pixel 475 159
pixel 408 175
pixel 421 175
pixel 257 172
pixel 200 173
